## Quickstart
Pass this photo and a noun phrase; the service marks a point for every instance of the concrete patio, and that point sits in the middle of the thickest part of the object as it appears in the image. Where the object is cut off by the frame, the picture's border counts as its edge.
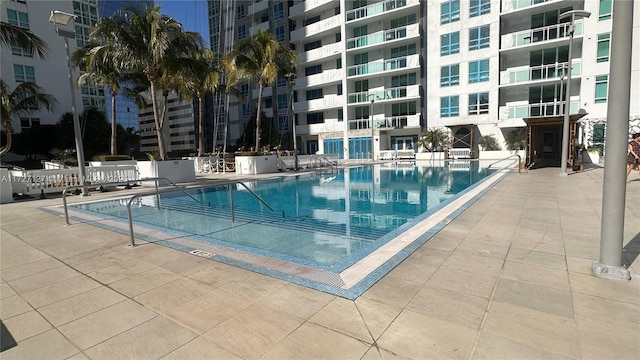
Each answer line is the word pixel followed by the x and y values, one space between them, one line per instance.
pixel 509 278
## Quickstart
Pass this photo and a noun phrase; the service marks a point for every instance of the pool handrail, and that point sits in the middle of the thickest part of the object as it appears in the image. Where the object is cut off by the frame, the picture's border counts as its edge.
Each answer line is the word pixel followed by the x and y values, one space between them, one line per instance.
pixel 78 186
pixel 508 157
pixel 228 184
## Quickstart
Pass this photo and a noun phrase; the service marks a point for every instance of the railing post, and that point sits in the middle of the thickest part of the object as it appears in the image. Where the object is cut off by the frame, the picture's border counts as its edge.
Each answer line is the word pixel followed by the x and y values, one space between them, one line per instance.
pixel 133 242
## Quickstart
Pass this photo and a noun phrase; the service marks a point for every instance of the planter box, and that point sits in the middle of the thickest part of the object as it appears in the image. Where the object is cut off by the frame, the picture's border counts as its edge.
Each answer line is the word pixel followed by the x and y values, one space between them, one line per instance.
pixel 592 157
pixel 253 165
pixel 178 171
pixel 6 190
pixel 113 163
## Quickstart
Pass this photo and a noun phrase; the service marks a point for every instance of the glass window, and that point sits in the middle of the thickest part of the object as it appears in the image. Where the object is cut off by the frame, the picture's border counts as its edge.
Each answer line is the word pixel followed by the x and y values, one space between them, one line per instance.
pixel 278 11
pixel 338 63
pixel 605 9
pixel 449 11
pixel 340 115
pixel 603 47
pixel 450 43
pixel 283 123
pixel 246 109
pixel 339 89
pixel 282 101
pixel 18 18
pixel 280 33
pixel 316 69
pixel 403 21
pixel 602 83
pixel 244 89
pixel 240 11
pixel 24 73
pixel 479 37
pixel 449 106
pixel 403 80
pixel 478 71
pixel 312 45
pixel 315 118
pixel 450 75
pixel 281 82
pixel 479 103
pixel 479 7
pixel 314 94
pixel 242 32
pixel 403 51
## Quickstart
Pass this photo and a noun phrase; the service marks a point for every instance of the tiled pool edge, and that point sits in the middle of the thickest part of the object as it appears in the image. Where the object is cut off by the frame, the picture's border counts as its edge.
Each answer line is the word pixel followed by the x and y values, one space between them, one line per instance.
pixel 351 292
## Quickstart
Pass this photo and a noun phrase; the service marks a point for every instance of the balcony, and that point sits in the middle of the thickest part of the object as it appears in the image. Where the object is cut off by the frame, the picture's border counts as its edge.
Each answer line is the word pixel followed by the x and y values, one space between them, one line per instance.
pixel 554 108
pixel 378 8
pixel 411 61
pixel 262 26
pixel 258 7
pixel 386 123
pixel 327 102
pixel 316 28
pixel 384 36
pixel 511 5
pixel 526 74
pixel 307 5
pixel 532 36
pixel 267 91
pixel 322 52
pixel 323 78
pixel 402 92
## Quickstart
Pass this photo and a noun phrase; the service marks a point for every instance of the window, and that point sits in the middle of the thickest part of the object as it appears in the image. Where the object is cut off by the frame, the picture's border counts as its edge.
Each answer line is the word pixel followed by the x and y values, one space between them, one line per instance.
pixel 360 31
pixel 282 101
pixel 479 7
pixel 241 11
pixel 26 123
pixel 603 47
pixel 244 89
pixel 403 21
pixel 403 51
pixel 24 73
pixel 338 63
pixel 449 11
pixel 403 80
pixel 246 109
pixel 314 94
pixel 450 75
pixel 478 71
pixel 268 103
pixel 602 83
pixel 242 32
pixel 312 45
pixel 450 43
pixel 340 115
pixel 280 33
pixel 338 37
pixel 604 12
pixel 278 11
pixel 400 109
pixel 449 106
pixel 315 118
pixel 479 103
pixel 337 10
pixel 283 123
pixel 479 37
pixel 339 89
pixel 316 69
pixel 311 20
pixel 281 82
pixel 18 18
pixel 20 51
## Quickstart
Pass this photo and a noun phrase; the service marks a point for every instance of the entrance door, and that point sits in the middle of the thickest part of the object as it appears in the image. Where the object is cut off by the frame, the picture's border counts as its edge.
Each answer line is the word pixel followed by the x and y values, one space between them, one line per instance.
pixel 312 147
pixel 403 143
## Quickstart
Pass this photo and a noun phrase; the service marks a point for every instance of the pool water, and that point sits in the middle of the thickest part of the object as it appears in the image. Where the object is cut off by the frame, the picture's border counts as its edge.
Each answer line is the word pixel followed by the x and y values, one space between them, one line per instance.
pixel 324 221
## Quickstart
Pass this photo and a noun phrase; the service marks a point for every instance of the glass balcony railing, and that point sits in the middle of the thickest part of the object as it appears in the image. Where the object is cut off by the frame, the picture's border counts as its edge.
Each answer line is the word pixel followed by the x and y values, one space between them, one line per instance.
pixel 374 9
pixel 375 67
pixel 378 37
pixel 545 33
pixel 519 4
pixel 543 72
pixel 394 122
pixel 555 108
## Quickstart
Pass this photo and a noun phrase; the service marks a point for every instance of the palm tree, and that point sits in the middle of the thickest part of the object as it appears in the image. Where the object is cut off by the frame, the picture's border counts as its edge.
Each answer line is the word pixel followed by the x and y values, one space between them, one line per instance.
pixel 261 58
pixel 197 83
pixel 100 72
pixel 146 41
pixel 13 35
pixel 433 139
pixel 25 99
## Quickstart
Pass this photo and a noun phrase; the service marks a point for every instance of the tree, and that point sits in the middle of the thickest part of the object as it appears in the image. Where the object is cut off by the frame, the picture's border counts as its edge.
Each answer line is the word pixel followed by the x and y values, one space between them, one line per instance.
pixel 433 139
pixel 144 41
pixel 95 132
pixel 488 142
pixel 516 139
pixel 261 58
pixel 25 99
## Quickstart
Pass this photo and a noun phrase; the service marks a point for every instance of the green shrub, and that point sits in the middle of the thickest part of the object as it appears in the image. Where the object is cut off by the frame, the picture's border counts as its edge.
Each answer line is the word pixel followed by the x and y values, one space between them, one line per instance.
pixel 104 158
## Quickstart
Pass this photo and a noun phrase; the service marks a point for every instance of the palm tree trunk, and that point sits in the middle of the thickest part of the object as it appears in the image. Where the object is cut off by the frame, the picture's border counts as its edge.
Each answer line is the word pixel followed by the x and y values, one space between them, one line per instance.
pixel 156 118
pixel 201 125
pixel 226 123
pixel 5 149
pixel 258 116
pixel 113 124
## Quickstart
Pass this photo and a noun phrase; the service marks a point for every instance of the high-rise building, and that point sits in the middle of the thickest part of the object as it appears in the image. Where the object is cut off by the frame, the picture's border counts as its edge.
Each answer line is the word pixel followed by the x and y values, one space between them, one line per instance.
pixel 52 74
pixel 373 75
pixel 126 109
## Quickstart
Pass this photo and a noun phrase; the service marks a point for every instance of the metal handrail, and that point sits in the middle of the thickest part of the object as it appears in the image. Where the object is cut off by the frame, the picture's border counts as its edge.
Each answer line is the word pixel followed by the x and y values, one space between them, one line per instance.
pixel 508 157
pixel 64 192
pixel 130 217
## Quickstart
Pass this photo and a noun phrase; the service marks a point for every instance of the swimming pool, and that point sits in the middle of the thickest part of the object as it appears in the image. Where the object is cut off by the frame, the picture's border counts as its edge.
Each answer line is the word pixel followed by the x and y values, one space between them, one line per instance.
pixel 338 232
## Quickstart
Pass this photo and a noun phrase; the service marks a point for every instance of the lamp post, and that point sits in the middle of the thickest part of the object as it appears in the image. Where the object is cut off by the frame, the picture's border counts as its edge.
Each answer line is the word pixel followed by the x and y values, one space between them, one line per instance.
pixel 371 98
pixel 573 14
pixel 290 79
pixel 62 18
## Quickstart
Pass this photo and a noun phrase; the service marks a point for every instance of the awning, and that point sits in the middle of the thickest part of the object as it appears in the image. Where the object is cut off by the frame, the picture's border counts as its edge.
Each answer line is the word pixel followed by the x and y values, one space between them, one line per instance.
pixel 553 120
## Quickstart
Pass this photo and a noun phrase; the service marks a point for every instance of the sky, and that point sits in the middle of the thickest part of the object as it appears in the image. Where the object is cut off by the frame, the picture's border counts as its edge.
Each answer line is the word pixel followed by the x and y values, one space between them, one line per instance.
pixel 192 14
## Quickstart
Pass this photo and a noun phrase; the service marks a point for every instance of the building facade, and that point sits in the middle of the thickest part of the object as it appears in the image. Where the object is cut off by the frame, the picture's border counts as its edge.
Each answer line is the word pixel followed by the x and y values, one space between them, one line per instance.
pixel 52 74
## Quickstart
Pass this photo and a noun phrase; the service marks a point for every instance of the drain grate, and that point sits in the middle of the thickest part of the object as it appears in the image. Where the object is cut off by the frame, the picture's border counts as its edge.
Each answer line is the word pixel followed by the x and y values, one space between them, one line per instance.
pixel 201 253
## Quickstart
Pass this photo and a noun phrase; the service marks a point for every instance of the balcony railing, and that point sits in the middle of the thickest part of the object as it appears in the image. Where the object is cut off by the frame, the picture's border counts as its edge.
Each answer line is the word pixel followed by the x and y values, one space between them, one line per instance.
pixel 326 102
pixel 546 33
pixel 384 65
pixel 510 5
pixel 386 94
pixel 258 6
pixel 393 122
pixel 321 52
pixel 555 108
pixel 316 28
pixel 376 8
pixel 543 72
pixel 383 36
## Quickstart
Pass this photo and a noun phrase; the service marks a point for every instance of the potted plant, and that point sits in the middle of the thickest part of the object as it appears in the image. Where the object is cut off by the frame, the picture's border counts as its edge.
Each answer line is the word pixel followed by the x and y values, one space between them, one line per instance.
pixel 178 171
pixel 594 154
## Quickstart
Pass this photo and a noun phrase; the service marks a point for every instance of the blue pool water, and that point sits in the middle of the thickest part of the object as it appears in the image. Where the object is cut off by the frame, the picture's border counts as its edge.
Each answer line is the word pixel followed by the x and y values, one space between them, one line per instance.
pixel 325 221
